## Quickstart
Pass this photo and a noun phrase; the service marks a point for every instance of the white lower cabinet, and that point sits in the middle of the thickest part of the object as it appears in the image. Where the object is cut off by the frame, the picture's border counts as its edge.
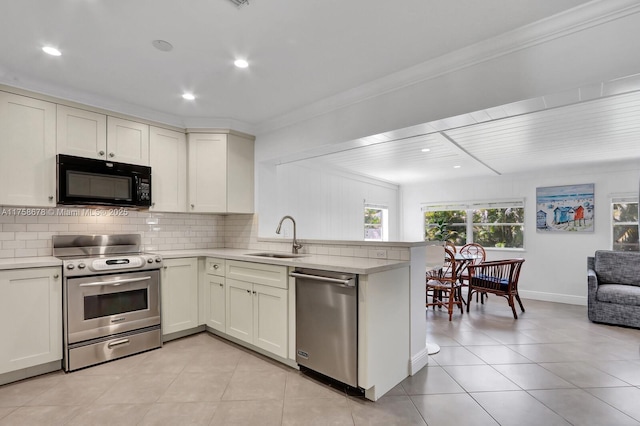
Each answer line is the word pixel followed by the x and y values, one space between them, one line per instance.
pixel 257 313
pixel 215 295
pixel 179 295
pixel 30 317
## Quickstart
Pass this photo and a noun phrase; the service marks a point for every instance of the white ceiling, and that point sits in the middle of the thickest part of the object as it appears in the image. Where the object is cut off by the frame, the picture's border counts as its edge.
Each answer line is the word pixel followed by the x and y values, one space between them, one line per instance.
pixel 306 53
pixel 300 51
pixel 526 136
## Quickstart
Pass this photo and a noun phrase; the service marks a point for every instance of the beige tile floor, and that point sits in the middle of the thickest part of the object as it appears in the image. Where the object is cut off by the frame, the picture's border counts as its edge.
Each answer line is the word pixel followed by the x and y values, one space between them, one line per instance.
pixel 550 367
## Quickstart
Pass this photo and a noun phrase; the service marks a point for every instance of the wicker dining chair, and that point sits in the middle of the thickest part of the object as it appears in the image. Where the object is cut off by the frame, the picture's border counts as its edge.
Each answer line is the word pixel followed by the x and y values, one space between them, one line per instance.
pixel 443 285
pixel 499 277
pixel 479 255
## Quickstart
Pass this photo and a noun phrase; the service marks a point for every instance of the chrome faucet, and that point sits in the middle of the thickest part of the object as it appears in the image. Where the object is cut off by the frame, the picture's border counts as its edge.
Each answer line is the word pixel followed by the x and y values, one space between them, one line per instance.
pixel 296 246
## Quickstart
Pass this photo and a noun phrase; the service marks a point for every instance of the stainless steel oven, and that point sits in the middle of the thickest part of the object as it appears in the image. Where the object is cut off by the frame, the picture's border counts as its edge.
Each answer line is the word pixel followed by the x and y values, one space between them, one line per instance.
pixel 111 298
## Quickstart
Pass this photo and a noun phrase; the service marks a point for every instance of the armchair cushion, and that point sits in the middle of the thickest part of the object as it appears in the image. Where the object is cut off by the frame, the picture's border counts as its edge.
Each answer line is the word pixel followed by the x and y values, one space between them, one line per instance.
pixel 617 267
pixel 619 293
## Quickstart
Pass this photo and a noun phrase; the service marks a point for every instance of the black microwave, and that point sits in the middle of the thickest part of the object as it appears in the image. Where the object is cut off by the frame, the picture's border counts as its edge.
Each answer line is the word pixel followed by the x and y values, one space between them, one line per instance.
pixel 86 181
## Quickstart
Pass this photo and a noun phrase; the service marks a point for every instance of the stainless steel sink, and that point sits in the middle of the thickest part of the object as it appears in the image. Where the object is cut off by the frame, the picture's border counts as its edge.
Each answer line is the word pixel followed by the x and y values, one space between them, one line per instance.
pixel 276 255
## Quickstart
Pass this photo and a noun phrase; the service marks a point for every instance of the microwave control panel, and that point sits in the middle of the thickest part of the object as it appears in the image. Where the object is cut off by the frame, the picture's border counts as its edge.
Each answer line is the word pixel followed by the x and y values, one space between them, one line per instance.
pixel 144 189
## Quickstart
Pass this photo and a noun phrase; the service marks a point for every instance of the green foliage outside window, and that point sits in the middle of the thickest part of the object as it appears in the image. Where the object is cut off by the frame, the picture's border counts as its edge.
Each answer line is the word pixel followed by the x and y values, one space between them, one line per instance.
pixel 625 226
pixel 501 227
pixel 449 225
pixel 498 227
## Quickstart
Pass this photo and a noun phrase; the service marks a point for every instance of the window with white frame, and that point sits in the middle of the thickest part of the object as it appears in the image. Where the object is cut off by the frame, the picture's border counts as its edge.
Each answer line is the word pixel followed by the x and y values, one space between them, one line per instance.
pixel 491 224
pixel 624 223
pixel 376 223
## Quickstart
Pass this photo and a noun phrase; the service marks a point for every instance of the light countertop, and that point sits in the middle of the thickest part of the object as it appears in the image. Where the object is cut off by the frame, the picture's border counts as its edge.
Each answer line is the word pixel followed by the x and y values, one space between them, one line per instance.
pixel 29 262
pixel 355 265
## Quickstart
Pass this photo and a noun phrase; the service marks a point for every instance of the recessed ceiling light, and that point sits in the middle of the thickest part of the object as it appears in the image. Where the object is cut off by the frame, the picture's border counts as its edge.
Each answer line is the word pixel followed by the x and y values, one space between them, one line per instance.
pixel 425 150
pixel 241 63
pixel 188 96
pixel 162 45
pixel 456 167
pixel 51 51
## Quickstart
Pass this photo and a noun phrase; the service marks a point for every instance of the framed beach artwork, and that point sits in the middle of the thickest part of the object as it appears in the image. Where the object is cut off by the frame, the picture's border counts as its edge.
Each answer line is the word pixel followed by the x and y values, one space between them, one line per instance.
pixel 565 208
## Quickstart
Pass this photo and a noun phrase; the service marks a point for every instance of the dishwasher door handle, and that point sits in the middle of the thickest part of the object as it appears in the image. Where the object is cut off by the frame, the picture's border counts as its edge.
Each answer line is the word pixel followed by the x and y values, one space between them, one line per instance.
pixel 342 283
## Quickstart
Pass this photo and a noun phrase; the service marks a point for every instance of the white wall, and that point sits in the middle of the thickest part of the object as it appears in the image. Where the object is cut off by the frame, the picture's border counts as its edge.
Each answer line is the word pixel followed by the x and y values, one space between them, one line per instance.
pixel 327 204
pixel 555 267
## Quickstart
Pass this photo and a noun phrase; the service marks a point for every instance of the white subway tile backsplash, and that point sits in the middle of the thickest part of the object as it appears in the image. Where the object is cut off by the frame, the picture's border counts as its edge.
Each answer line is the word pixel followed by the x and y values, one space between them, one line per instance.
pixel 14 227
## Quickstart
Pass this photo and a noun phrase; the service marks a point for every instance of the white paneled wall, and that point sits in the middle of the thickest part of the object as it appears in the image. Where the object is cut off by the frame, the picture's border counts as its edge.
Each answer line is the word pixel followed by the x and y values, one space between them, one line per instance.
pixel 27 232
pixel 326 204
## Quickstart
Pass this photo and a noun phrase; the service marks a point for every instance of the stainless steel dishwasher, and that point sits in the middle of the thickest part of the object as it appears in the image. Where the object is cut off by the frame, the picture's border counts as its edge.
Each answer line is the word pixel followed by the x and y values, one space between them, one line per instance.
pixel 327 323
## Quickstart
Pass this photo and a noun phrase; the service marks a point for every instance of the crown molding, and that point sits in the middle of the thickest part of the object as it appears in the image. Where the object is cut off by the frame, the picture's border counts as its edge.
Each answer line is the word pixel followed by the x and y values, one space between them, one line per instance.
pixel 572 21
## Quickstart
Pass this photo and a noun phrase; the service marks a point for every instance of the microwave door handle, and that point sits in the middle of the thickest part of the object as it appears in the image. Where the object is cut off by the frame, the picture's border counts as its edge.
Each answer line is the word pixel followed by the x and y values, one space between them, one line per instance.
pixel 114 283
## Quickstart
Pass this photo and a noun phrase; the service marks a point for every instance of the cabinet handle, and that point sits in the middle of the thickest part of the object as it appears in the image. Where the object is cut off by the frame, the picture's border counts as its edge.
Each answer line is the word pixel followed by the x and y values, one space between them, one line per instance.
pixel 254 292
pixel 193 205
pixel 221 285
pixel 56 276
pixel 249 291
pixel 164 267
pixel 111 154
pixel 50 197
pixel 216 266
pixel 101 153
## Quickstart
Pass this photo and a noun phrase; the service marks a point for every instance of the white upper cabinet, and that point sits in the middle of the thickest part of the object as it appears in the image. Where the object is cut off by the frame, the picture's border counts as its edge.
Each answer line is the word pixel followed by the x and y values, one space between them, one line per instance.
pixel 220 173
pixel 92 135
pixel 127 141
pixel 81 133
pixel 168 161
pixel 28 159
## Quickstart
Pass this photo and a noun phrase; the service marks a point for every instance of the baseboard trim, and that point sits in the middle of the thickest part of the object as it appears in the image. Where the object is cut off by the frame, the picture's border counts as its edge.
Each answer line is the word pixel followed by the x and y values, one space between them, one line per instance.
pixel 554 297
pixel 25 373
pixel 418 361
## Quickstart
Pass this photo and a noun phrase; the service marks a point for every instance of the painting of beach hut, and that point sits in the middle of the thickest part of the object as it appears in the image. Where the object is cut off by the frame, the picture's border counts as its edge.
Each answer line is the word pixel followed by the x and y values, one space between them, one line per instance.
pixel 565 208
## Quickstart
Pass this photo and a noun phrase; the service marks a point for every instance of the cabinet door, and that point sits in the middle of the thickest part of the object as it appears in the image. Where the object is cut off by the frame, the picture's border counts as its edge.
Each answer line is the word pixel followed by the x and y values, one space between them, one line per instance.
pixel 240 180
pixel 179 295
pixel 215 301
pixel 270 319
pixel 30 318
pixel 28 160
pixel 168 161
pixel 239 313
pixel 207 173
pixel 127 141
pixel 82 133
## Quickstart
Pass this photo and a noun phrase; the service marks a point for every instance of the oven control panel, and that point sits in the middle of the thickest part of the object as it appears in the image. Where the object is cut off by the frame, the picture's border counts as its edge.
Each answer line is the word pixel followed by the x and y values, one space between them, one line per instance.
pixel 88 266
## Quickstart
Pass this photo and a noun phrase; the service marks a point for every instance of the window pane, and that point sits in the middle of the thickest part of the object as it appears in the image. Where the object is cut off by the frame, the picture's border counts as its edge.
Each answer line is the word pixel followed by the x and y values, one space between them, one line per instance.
pixel 505 236
pixel 502 215
pixel 625 237
pixel 625 227
pixel 447 225
pixel 373 221
pixel 625 212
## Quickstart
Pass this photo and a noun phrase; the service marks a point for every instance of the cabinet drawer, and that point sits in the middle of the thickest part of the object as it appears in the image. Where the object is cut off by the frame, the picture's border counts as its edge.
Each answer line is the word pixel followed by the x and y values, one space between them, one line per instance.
pixel 259 273
pixel 215 267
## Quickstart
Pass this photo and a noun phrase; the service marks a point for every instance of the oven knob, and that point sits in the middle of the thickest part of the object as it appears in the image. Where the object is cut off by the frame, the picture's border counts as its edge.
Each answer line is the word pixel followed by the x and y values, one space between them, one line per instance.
pixel 158 259
pixel 81 266
pixel 149 260
pixel 70 266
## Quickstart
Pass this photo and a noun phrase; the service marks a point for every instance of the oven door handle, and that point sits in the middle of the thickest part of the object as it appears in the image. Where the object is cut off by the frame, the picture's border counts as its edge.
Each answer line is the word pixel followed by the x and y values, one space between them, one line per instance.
pixel 115 283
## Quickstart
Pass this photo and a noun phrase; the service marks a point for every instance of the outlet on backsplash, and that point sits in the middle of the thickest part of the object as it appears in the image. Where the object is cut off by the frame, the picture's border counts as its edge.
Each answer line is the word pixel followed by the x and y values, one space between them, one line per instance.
pixel 381 254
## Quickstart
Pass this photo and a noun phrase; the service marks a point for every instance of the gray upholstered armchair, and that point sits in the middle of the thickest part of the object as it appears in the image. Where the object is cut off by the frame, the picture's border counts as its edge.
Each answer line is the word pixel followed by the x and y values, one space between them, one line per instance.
pixel 614 287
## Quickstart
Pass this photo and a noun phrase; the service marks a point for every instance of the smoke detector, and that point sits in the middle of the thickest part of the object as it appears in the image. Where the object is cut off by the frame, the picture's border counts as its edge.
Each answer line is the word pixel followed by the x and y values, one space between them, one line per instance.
pixel 239 2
